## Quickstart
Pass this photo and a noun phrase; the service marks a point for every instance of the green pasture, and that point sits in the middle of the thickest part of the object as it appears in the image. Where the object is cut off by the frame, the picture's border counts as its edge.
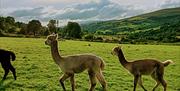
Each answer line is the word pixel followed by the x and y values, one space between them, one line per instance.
pixel 36 71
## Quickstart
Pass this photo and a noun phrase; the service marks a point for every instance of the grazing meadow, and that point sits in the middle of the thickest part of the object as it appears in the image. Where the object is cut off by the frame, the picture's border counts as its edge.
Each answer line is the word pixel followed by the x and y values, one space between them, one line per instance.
pixel 36 70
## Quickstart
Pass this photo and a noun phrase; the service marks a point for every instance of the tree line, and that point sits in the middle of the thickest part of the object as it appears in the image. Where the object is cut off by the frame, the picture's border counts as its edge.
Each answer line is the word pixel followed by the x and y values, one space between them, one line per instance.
pixel 167 32
pixel 8 25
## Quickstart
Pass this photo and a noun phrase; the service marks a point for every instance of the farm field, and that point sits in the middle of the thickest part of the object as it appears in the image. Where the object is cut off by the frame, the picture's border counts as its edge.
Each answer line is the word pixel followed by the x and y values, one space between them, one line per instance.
pixel 36 71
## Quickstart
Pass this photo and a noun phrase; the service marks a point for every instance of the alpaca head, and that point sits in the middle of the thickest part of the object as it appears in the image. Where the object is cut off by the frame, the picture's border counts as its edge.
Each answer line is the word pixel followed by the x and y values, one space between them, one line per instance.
pixel 51 38
pixel 115 50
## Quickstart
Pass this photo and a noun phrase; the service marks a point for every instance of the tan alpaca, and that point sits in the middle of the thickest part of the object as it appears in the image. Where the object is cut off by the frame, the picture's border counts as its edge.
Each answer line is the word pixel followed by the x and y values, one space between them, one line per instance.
pixel 77 64
pixel 138 68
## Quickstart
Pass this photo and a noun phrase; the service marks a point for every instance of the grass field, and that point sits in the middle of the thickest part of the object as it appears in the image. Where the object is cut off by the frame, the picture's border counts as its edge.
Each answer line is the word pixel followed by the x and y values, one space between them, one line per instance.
pixel 36 71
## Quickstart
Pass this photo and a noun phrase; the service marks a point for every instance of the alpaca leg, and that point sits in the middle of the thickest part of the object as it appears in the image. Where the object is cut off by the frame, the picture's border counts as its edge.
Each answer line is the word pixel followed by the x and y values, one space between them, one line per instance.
pixel 157 84
pixel 72 82
pixel 160 74
pixel 157 81
pixel 13 71
pixel 93 81
pixel 163 82
pixel 101 79
pixel 6 73
pixel 136 77
pixel 140 83
pixel 62 79
pixel 5 66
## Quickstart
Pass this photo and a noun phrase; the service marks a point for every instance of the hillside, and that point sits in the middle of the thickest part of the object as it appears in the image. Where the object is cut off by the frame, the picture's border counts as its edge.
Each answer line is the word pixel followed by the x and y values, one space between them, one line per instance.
pixel 160 26
pixel 140 22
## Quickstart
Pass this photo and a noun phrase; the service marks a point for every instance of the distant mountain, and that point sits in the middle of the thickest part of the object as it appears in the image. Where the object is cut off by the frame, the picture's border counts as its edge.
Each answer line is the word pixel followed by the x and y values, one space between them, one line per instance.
pixel 137 23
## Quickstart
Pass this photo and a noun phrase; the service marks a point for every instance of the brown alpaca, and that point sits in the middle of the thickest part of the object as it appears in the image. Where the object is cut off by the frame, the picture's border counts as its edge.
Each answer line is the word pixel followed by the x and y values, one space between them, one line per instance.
pixel 138 68
pixel 77 64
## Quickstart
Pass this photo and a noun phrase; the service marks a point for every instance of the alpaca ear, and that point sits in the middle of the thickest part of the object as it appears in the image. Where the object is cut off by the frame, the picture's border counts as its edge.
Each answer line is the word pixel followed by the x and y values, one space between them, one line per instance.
pixel 53 33
pixel 120 46
pixel 56 36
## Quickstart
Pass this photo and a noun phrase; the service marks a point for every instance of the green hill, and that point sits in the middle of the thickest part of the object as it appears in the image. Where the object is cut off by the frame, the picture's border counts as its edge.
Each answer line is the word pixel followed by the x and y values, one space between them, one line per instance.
pixel 140 22
pixel 145 25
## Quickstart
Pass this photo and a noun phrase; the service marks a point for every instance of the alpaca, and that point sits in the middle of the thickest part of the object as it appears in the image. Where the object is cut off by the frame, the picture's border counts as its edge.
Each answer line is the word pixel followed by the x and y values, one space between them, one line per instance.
pixel 77 64
pixel 5 57
pixel 138 68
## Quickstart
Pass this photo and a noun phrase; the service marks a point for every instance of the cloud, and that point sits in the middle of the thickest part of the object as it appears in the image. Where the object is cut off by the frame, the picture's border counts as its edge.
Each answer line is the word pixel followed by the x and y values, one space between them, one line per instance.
pixel 89 10
pixel 28 12
pixel 40 13
pixel 103 10
pixel 62 1
pixel 170 4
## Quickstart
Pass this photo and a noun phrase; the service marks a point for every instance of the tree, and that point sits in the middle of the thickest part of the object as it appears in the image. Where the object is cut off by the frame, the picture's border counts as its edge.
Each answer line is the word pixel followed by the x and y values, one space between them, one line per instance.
pixel 23 29
pixel 19 24
pixel 10 20
pixel 22 26
pixel 73 30
pixel 34 26
pixel 52 26
pixel 2 23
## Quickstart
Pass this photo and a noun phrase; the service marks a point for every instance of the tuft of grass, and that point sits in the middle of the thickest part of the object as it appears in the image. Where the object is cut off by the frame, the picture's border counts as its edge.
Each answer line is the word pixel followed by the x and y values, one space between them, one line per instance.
pixel 36 71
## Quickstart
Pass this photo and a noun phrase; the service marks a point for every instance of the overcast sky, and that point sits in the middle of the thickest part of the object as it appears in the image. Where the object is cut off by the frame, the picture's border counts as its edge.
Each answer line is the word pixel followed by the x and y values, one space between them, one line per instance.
pixel 80 10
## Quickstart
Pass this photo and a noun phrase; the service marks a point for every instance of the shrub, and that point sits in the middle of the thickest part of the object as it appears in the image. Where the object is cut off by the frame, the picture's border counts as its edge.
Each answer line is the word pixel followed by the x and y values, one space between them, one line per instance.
pixel 100 39
pixel 89 37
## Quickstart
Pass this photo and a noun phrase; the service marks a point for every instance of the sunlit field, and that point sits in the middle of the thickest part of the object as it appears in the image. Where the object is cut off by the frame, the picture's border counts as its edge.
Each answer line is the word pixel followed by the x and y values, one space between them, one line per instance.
pixel 36 71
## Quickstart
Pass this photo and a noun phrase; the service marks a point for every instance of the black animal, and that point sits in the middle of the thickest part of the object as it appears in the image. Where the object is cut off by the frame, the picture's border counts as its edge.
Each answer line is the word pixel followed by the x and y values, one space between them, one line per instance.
pixel 5 58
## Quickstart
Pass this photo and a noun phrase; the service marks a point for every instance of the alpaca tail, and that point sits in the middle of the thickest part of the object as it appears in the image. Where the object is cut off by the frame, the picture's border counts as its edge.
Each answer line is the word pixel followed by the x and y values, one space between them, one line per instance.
pixel 167 62
pixel 13 56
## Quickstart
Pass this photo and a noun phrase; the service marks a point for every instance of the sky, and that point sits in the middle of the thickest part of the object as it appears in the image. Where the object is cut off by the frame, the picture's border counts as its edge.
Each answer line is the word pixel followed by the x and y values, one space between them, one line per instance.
pixel 81 11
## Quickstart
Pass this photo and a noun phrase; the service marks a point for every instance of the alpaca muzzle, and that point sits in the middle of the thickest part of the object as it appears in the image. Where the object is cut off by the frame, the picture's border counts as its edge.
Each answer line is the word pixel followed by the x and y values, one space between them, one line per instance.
pixel 46 42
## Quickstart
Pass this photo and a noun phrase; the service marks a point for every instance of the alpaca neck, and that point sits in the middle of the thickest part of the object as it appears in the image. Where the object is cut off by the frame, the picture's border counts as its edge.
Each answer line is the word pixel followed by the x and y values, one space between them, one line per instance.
pixel 55 53
pixel 122 59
